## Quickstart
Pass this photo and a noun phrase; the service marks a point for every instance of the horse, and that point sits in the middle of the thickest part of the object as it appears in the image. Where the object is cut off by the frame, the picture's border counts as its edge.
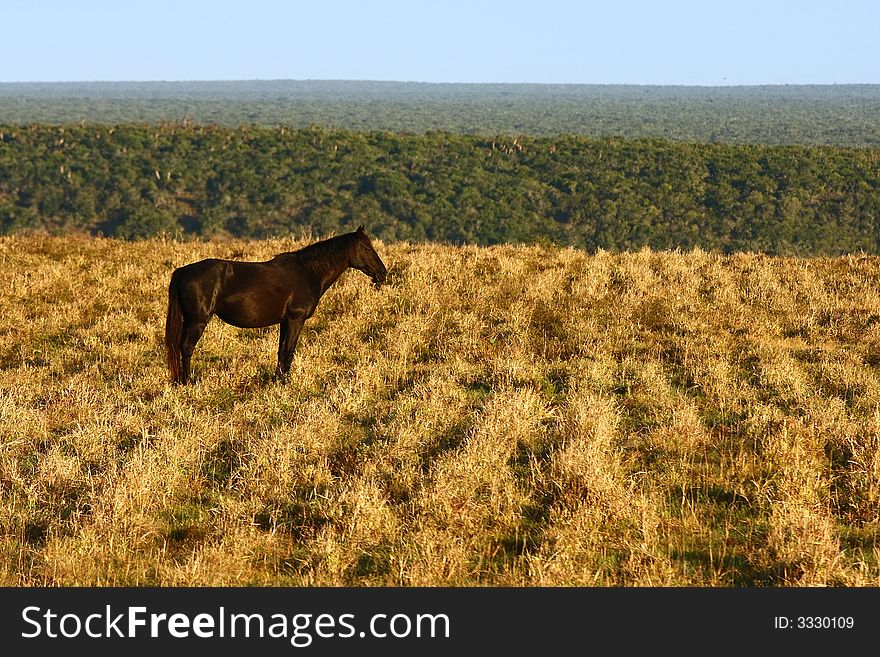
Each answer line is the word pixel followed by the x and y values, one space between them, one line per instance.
pixel 284 290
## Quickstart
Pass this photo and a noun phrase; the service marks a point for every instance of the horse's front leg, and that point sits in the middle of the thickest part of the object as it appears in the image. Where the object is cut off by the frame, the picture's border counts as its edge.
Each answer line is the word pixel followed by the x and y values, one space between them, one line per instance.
pixel 289 336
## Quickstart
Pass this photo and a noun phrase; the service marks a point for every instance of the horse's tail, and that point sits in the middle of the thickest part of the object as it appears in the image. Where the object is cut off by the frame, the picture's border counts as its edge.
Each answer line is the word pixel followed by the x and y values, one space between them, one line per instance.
pixel 174 328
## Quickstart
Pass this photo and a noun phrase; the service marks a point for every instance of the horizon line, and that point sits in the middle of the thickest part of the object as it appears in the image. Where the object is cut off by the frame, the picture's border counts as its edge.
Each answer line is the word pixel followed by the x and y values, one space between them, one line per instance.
pixel 435 83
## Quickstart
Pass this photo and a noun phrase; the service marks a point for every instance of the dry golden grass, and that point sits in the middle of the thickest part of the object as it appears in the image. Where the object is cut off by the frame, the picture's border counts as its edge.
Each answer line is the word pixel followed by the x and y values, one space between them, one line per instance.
pixel 495 416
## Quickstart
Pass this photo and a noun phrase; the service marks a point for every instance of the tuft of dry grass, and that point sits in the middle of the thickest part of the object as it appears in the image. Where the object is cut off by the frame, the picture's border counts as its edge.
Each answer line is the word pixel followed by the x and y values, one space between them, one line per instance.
pixel 494 416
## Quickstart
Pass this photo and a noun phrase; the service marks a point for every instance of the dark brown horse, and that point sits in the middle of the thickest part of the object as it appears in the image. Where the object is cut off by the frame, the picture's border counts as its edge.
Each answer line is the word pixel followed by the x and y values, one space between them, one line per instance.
pixel 284 290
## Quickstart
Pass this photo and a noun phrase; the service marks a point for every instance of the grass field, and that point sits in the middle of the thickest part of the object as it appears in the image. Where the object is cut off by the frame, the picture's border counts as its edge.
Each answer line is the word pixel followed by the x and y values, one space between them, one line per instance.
pixel 494 416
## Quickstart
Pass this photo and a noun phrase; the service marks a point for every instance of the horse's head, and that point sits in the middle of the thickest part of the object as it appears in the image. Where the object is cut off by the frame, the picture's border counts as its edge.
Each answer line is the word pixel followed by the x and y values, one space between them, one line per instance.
pixel 364 258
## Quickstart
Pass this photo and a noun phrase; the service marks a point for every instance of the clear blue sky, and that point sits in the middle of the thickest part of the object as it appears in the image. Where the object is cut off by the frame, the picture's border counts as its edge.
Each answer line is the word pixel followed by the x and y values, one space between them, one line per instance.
pixel 692 42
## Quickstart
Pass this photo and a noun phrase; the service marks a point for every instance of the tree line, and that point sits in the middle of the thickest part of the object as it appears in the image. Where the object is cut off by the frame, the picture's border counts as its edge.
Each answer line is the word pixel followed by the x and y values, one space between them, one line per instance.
pixel 138 180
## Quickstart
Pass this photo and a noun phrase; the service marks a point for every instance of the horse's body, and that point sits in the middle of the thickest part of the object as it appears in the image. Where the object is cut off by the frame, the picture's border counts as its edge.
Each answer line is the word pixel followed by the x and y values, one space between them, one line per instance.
pixel 284 290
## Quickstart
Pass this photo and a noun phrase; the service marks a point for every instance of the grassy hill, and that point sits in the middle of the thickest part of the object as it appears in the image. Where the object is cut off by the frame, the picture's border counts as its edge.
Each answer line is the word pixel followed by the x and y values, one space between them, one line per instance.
pixel 497 416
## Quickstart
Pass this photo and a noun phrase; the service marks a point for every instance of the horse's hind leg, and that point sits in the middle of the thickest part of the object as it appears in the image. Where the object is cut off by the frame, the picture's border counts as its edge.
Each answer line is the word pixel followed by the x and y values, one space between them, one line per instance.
pixel 192 331
pixel 289 336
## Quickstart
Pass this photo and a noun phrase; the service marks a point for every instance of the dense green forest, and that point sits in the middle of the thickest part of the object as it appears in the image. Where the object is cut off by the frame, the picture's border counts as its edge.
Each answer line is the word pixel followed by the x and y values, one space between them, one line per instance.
pixel 842 115
pixel 137 180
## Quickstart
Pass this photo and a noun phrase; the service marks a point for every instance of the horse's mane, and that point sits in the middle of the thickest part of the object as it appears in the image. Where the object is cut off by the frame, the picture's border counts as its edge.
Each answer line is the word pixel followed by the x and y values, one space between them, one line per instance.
pixel 326 254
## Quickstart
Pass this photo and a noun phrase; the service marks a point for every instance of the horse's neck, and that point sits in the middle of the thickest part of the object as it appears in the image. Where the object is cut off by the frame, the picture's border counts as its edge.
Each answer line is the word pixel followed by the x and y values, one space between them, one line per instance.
pixel 330 275
pixel 326 270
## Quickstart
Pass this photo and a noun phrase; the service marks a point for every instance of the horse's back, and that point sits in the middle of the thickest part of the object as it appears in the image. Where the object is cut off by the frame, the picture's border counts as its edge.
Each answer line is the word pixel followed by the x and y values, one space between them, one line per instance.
pixel 202 267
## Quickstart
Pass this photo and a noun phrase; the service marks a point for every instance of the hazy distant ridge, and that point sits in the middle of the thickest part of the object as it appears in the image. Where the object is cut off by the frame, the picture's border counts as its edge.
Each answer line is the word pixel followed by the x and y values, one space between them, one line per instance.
pixel 846 115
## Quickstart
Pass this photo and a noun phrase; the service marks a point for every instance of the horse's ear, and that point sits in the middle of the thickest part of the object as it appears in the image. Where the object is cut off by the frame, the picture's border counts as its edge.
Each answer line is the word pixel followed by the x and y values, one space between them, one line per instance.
pixel 360 228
